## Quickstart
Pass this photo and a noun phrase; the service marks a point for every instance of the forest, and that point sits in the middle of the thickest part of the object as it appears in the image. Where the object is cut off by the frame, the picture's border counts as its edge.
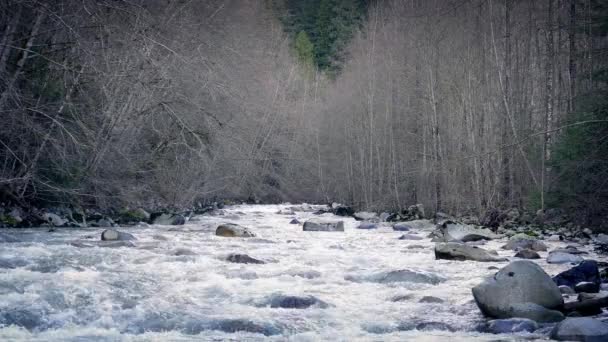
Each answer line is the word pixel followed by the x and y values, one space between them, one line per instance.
pixel 461 105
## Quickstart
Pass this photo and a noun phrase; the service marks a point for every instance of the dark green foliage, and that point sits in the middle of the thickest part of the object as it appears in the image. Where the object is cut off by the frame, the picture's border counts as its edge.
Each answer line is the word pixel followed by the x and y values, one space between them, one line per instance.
pixel 329 25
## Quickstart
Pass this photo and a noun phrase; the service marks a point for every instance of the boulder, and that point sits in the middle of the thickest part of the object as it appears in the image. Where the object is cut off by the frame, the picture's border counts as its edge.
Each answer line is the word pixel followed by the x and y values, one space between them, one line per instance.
pixel 524 241
pixel 233 230
pixel 449 231
pixel 103 223
pixel 554 238
pixel 365 216
pixel 115 235
pixel 315 225
pixel 367 225
pixel 460 251
pixel 580 329
pixel 511 325
pixel 294 221
pixel 169 220
pixel 401 227
pixel 243 259
pixel 431 299
pixel 586 271
pixel 563 258
pixel 564 289
pixel 342 210
pixel 527 254
pixel 54 219
pixel 399 276
pixel 587 287
pixel 520 289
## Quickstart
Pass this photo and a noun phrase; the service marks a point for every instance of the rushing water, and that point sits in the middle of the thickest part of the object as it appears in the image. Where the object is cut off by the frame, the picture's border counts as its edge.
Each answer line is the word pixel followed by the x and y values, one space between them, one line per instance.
pixel 174 284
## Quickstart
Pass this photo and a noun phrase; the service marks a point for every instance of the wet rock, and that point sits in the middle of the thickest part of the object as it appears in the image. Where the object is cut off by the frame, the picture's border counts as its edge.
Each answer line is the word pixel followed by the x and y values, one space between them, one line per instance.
pixel 430 299
pixel 243 259
pixel 554 238
pixel 115 235
pixel 449 232
pixel 295 302
pixel 401 227
pixel 399 276
pixel 527 254
pixel 315 225
pixel 415 247
pixel 367 225
pixel 586 271
pixel 569 250
pixel 365 216
pixel 580 329
pixel 402 298
pixel 183 251
pixel 243 325
pixel 430 326
pixel 587 287
pixel 493 218
pixel 566 290
pixel 294 221
pixel 521 289
pixel 233 230
pixel 511 325
pixel 460 251
pixel 524 241
pixel 287 211
pixel 169 220
pixel 563 258
pixel 411 237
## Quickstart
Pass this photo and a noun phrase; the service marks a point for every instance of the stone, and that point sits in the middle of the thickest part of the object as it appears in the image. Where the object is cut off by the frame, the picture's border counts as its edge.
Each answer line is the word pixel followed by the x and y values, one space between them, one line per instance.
pixel 587 287
pixel 103 223
pixel 524 241
pixel 511 325
pixel 401 227
pixel 315 225
pixel 459 251
pixel 430 299
pixel 586 271
pixel 430 326
pixel 115 235
pixel 527 254
pixel 564 289
pixel 233 230
pixel 554 237
pixel 169 220
pixel 449 231
pixel 295 302
pixel 182 252
pixel 510 291
pixel 367 225
pixel 563 258
pixel 365 216
pixel 399 276
pixel 54 219
pixel 243 259
pixel 411 237
pixel 580 329
pixel 294 221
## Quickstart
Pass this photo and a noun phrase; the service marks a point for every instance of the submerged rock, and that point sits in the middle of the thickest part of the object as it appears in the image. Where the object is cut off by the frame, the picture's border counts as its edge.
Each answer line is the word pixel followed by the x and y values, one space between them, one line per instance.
pixel 367 225
pixel 586 271
pixel 243 259
pixel 294 221
pixel 521 289
pixel 295 302
pixel 460 251
pixel 115 235
pixel 430 299
pixel 243 325
pixel 233 230
pixel 399 276
pixel 580 329
pixel 315 225
pixel 523 241
pixel 365 216
pixel 511 325
pixel 410 237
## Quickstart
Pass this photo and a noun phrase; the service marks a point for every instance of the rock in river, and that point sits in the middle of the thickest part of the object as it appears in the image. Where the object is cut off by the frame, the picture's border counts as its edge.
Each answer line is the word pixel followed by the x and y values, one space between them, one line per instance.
pixel 460 251
pixel 586 271
pixel 527 254
pixel 450 231
pixel 580 329
pixel 243 259
pixel 563 258
pixel 115 235
pixel 511 325
pixel 170 220
pixel 398 276
pixel 295 302
pixel 523 241
pixel 315 225
pixel 233 230
pixel 521 289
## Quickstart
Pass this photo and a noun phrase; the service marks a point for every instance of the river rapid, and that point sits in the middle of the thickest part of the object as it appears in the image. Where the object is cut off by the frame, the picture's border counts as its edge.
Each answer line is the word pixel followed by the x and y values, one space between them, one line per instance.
pixel 174 284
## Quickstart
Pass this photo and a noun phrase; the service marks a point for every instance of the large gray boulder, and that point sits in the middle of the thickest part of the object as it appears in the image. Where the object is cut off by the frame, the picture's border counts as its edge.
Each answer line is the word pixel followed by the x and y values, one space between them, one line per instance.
pixel 460 251
pixel 366 216
pixel 233 230
pixel 115 235
pixel 518 290
pixel 523 241
pixel 449 231
pixel 580 329
pixel 316 225
pixel 563 258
